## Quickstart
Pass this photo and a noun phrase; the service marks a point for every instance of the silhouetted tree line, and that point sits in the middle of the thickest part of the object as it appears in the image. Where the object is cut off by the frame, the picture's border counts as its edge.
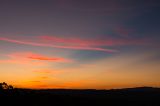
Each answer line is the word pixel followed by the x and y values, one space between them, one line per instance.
pixel 5 86
pixel 141 96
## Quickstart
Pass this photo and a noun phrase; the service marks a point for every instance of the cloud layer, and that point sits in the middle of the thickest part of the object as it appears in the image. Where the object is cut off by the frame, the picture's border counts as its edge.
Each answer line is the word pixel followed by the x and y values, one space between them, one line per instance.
pixel 76 43
pixel 48 44
pixel 29 57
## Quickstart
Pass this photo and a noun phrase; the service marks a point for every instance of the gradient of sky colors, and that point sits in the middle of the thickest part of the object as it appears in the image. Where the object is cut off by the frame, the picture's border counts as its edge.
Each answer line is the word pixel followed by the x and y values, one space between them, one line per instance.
pixel 99 44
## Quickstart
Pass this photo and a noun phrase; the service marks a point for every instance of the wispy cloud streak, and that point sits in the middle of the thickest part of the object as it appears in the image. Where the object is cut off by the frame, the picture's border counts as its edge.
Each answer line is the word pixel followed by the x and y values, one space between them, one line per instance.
pixel 29 57
pixel 95 42
pixel 78 43
pixel 46 58
pixel 43 44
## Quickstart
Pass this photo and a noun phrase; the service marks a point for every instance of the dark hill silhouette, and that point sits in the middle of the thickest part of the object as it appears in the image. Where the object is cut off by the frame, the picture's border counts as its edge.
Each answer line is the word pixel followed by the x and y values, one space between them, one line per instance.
pixel 141 96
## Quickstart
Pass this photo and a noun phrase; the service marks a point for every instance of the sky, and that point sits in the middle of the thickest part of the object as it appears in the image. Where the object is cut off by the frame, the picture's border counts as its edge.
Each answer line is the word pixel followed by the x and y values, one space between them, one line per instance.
pixel 80 44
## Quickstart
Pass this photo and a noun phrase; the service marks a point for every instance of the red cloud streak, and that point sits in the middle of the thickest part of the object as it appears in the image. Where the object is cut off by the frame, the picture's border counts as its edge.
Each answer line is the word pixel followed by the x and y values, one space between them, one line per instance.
pixel 41 57
pixel 94 42
pixel 28 57
pixel 43 44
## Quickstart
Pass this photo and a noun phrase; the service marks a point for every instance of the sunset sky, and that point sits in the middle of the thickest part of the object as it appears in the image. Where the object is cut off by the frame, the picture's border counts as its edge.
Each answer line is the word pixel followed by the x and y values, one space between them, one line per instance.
pixel 80 44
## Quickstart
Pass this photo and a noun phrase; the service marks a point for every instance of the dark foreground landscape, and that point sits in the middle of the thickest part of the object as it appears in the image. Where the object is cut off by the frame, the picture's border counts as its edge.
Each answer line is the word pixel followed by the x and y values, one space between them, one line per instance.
pixel 143 96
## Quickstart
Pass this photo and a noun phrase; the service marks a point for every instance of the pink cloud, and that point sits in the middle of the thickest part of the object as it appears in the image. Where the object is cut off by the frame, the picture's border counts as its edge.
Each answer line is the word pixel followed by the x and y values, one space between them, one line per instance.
pixel 16 59
pixel 76 43
pixel 45 58
pixel 29 57
pixel 96 42
pixel 43 43
pixel 21 61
